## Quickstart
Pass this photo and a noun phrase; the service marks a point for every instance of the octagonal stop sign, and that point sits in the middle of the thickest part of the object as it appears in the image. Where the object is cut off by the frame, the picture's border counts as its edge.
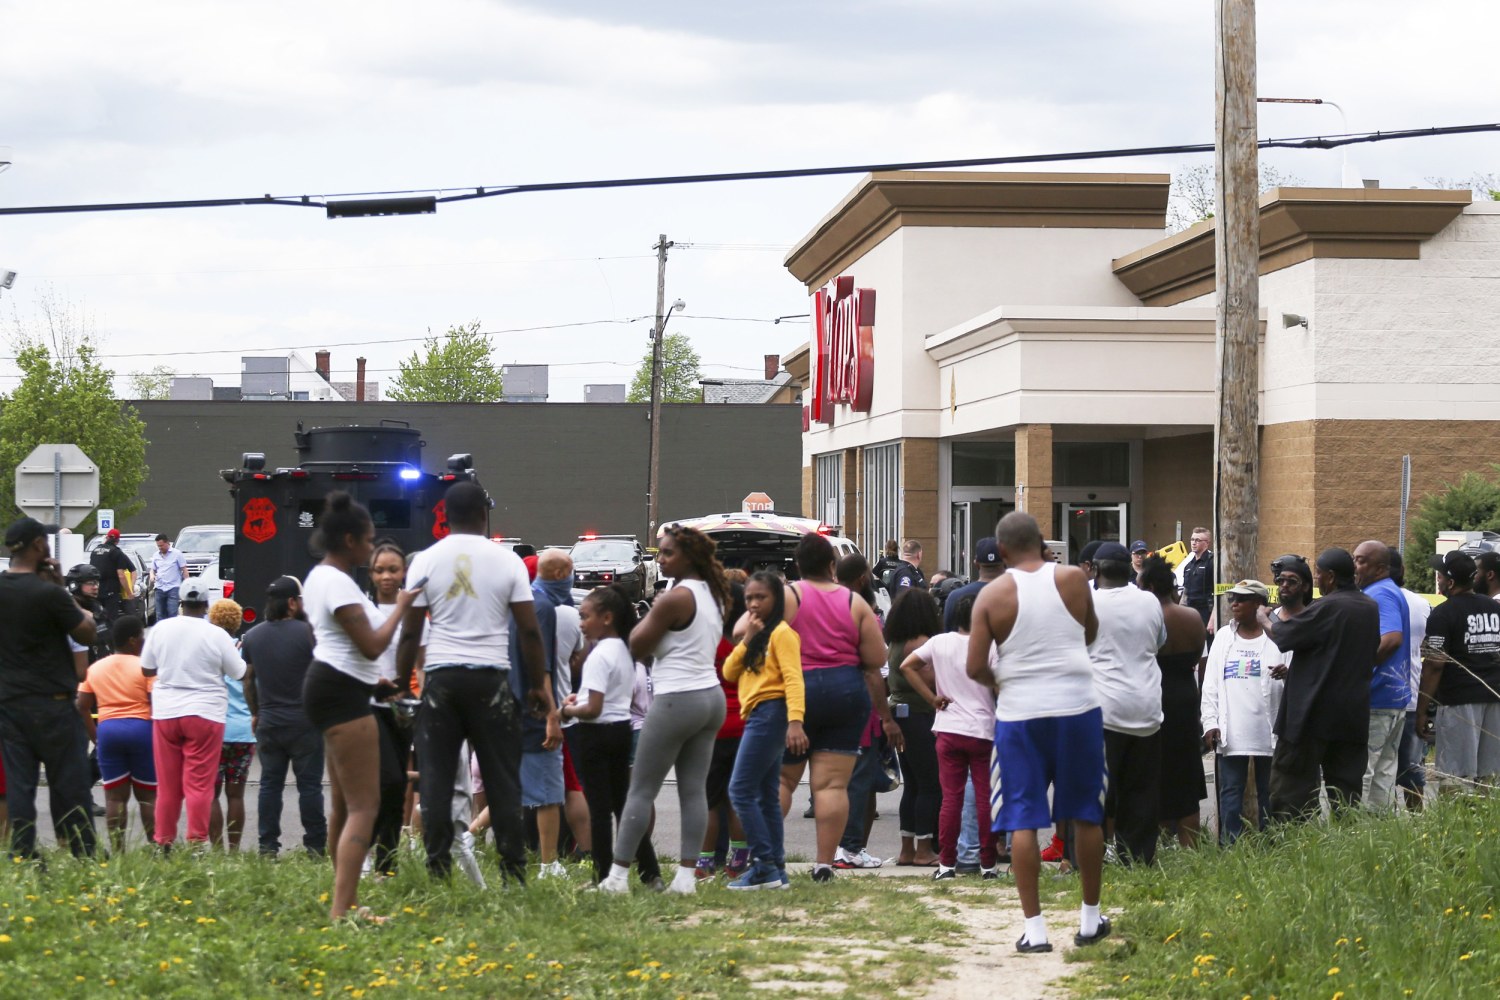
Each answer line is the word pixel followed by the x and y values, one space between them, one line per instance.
pixel 57 483
pixel 757 501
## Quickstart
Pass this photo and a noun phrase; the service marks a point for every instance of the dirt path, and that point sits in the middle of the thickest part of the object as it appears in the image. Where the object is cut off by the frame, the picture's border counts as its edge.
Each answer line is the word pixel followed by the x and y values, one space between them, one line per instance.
pixel 994 968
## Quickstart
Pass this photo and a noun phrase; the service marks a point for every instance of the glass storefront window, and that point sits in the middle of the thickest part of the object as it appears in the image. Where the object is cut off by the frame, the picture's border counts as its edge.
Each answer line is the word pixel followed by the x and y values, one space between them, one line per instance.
pixel 882 520
pixel 984 463
pixel 1076 464
pixel 828 488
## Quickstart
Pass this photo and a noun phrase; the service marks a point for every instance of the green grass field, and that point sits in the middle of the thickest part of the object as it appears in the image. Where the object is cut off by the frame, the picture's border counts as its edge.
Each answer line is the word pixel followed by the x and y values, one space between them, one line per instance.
pixel 238 926
pixel 1403 906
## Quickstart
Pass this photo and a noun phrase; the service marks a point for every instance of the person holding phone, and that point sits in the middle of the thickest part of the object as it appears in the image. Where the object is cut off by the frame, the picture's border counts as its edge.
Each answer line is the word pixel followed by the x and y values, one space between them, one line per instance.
pixel 349 637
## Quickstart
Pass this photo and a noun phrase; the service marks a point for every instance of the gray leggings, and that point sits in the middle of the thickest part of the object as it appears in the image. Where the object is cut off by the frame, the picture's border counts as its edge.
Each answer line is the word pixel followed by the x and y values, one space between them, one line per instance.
pixel 679 732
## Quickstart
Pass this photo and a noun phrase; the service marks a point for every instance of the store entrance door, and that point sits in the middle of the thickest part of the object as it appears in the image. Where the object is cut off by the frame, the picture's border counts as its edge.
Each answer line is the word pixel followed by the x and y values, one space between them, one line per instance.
pixel 972 520
pixel 1082 523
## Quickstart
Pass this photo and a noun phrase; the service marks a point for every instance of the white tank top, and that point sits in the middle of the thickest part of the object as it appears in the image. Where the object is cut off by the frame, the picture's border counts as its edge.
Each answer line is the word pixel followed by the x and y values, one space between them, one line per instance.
pixel 685 659
pixel 1044 663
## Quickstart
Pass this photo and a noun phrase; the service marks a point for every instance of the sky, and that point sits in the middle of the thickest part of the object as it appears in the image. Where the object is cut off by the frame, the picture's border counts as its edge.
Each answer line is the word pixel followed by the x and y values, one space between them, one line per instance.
pixel 181 99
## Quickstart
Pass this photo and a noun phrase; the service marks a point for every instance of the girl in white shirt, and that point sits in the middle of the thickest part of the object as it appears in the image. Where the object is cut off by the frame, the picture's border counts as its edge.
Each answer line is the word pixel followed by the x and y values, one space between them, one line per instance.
pixel 600 745
pixel 340 682
pixel 1241 694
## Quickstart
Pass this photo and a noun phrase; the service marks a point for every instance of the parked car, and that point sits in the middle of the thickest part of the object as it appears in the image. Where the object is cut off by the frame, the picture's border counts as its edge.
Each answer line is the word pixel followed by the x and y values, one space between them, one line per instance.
pixel 199 544
pixel 218 587
pixel 599 560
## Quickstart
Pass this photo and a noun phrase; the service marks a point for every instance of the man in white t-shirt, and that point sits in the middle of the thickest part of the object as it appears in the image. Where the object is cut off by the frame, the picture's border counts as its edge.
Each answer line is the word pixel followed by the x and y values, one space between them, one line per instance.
pixel 1128 681
pixel 189 659
pixel 472 590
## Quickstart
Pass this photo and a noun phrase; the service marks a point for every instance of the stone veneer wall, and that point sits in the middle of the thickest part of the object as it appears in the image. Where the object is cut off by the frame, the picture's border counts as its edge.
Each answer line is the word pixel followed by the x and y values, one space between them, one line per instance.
pixel 1178 473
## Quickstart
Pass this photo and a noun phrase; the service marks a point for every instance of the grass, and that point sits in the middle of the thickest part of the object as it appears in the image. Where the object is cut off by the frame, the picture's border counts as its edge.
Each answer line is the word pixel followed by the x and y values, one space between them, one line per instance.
pixel 1403 906
pixel 240 926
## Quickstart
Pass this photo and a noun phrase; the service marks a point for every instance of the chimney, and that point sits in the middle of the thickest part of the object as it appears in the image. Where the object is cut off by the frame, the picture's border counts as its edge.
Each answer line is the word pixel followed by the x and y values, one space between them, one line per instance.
pixel 359 380
pixel 322 365
pixel 773 362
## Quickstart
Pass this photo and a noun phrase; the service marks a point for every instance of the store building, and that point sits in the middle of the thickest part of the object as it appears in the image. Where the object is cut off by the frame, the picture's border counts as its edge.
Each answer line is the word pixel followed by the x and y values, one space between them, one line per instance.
pixel 984 342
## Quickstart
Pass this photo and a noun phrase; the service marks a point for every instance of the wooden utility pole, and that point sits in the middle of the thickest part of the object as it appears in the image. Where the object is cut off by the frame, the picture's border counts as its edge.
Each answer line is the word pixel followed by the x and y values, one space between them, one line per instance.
pixel 654 455
pixel 1236 268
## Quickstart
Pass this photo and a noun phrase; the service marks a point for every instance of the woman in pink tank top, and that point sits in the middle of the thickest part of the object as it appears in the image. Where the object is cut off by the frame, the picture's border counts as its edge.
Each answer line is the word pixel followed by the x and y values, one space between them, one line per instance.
pixel 842 653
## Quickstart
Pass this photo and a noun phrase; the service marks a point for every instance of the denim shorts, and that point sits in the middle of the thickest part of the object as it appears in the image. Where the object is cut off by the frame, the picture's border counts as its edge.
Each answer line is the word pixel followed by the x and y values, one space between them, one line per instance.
pixel 542 779
pixel 838 709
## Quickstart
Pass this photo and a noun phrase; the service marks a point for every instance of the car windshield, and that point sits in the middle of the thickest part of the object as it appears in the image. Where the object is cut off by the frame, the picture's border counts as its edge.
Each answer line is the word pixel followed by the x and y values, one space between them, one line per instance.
pixel 607 552
pixel 205 540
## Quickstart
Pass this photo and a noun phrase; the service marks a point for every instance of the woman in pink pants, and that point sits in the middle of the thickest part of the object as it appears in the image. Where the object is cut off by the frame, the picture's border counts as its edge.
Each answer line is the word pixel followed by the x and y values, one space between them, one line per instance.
pixel 189 659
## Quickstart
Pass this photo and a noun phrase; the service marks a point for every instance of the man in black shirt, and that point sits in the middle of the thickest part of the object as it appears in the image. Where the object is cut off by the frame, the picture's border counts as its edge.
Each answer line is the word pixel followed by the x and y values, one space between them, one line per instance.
pixel 114 568
pixel 1461 677
pixel 39 726
pixel 1324 719
pixel 277 654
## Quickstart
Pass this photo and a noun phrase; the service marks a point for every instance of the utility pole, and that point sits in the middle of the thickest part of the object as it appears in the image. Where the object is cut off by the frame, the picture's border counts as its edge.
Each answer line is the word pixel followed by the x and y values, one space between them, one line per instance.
pixel 654 454
pixel 1236 268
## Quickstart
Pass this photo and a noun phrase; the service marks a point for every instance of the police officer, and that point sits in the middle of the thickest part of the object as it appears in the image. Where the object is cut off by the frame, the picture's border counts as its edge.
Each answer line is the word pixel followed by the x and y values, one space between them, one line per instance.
pixel 1196 575
pixel 83 584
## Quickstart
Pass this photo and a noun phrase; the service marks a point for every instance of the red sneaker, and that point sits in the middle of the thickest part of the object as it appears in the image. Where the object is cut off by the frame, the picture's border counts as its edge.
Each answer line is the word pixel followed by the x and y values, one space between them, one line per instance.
pixel 1054 850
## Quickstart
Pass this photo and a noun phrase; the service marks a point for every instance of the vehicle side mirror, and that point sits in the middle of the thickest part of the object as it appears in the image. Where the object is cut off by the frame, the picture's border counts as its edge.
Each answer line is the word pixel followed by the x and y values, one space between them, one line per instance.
pixel 226 562
pixel 648 557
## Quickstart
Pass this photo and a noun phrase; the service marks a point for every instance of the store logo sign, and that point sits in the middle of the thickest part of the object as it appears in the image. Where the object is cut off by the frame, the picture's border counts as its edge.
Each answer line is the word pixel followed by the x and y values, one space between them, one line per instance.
pixel 844 339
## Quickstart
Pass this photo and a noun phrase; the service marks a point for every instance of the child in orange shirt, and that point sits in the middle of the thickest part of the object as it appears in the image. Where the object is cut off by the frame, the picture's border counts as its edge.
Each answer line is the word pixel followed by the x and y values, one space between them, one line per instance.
pixel 117 690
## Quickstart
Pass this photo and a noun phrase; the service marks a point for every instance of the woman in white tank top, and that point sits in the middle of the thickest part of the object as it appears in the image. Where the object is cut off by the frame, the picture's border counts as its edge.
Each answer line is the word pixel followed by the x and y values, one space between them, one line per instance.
pixel 682 631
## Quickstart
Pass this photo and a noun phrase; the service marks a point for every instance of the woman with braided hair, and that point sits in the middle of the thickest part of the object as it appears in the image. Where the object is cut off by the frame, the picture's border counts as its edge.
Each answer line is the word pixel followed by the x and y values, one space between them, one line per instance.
pixel 682 632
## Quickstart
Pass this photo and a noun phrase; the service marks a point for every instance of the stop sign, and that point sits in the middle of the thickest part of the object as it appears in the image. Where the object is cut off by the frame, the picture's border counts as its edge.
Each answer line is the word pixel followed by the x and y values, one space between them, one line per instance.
pixel 757 501
pixel 57 480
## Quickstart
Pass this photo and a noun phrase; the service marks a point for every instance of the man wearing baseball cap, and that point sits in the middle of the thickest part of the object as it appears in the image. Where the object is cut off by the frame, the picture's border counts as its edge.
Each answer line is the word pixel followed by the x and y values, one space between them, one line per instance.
pixel 1139 550
pixel 114 568
pixel 39 725
pixel 987 567
pixel 277 653
pixel 1458 706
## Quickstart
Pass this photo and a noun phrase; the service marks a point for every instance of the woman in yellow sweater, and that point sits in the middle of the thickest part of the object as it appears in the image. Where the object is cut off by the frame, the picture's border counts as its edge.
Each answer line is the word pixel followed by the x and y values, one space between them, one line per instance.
pixel 768 666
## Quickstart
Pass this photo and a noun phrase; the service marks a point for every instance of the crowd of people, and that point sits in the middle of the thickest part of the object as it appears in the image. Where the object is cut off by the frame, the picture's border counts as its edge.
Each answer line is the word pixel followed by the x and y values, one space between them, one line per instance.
pixel 458 691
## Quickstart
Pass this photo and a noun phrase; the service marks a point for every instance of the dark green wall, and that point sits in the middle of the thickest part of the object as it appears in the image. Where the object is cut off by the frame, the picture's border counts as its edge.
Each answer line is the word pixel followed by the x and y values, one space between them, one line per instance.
pixel 554 469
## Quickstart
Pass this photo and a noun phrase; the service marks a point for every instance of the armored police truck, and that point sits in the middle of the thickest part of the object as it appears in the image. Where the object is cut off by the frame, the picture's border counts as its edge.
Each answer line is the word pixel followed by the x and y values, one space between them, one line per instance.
pixel 276 510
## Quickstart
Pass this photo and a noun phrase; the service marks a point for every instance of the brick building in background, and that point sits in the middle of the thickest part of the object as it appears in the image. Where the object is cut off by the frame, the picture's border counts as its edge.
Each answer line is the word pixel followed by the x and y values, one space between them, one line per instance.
pixel 1031 340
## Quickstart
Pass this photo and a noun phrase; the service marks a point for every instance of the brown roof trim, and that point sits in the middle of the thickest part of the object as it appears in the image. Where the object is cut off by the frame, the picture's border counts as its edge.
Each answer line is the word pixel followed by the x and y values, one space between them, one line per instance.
pixel 798 362
pixel 884 202
pixel 1296 224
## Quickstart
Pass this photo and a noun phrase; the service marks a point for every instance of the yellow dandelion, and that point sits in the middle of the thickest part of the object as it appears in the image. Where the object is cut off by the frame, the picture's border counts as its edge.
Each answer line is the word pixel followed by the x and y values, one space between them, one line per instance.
pixel 5 938
pixel 28 920
pixel 1206 935
pixel 437 940
pixel 1333 971
pixel 653 965
pixel 666 975
pixel 163 966
pixel 1465 957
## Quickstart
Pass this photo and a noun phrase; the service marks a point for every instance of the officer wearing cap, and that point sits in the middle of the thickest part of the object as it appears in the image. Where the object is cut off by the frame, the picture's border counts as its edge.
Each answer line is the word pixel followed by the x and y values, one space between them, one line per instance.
pixel 114 568
pixel 39 727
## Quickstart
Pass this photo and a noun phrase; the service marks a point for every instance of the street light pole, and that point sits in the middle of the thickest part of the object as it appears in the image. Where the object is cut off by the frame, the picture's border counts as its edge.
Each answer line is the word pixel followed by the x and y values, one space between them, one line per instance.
pixel 653 457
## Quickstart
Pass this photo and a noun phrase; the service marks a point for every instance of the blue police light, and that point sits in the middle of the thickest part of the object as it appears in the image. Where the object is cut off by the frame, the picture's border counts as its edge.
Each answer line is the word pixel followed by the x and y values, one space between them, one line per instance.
pixel 409 473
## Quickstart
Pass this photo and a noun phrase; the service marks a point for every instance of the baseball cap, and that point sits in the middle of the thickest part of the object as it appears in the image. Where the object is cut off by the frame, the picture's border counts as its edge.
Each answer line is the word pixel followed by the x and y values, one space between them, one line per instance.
pixel 1111 550
pixel 987 551
pixel 284 586
pixel 1139 545
pixel 1252 588
pixel 25 531
pixel 193 592
pixel 1089 551
pixel 113 534
pixel 1454 565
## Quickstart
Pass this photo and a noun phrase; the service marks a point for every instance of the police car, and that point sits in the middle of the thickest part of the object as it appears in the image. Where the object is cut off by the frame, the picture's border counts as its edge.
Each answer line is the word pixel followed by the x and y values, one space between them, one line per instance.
pixel 602 560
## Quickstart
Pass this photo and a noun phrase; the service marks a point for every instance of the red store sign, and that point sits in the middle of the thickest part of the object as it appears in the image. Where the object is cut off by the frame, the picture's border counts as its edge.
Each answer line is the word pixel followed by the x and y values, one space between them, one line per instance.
pixel 843 338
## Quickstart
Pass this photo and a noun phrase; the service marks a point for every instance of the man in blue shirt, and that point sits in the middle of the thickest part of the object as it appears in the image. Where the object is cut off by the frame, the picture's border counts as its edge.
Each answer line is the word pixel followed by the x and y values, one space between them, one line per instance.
pixel 1390 685
pixel 168 570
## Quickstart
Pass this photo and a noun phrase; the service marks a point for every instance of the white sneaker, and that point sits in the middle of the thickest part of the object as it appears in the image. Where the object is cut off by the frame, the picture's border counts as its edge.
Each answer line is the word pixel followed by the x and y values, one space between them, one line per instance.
pixel 552 869
pixel 861 859
pixel 617 886
pixel 684 883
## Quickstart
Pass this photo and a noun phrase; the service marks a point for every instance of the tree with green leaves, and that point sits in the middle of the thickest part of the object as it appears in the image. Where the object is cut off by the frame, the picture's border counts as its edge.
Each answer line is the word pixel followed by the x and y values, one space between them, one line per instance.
pixel 67 397
pixel 154 384
pixel 1471 504
pixel 680 372
pixel 454 368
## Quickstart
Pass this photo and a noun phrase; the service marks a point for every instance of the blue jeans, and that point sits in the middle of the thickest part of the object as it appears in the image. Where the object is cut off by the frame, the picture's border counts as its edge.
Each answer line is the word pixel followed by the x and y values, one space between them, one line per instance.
pixel 755 786
pixel 1233 773
pixel 40 731
pixel 301 747
pixel 166 603
pixel 861 783
pixel 1410 774
pixel 968 830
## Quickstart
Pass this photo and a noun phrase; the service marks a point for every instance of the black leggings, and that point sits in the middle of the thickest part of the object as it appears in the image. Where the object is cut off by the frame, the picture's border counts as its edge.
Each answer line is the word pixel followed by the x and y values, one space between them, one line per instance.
pixel 395 749
pixel 921 794
pixel 601 756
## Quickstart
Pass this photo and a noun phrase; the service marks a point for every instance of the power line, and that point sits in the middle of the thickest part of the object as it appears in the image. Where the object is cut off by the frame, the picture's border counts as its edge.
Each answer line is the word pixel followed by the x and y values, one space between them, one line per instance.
pixel 435 196
pixel 340 267
pixel 459 368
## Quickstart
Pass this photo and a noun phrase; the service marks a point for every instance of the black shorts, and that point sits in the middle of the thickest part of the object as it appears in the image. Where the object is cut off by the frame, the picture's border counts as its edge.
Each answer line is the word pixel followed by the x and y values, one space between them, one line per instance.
pixel 720 770
pixel 331 698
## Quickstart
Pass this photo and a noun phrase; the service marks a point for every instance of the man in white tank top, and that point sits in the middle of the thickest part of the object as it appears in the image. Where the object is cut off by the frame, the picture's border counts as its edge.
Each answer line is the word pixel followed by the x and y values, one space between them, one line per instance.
pixel 1049 731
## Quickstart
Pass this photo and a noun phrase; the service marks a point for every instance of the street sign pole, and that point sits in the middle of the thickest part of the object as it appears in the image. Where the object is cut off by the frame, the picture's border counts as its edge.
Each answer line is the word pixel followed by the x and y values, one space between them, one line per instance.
pixel 57 487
